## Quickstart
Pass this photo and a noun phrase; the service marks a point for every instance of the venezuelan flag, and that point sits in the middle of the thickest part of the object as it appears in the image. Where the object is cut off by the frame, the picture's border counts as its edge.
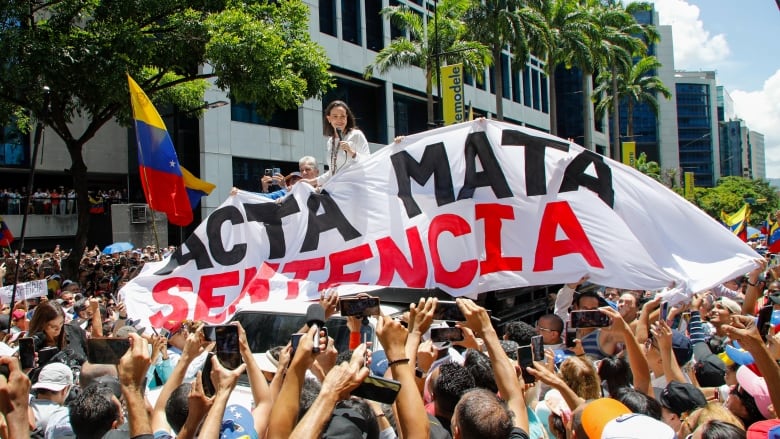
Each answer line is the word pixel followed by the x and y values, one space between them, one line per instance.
pixel 161 175
pixel 196 188
pixel 738 221
pixel 772 235
pixel 6 237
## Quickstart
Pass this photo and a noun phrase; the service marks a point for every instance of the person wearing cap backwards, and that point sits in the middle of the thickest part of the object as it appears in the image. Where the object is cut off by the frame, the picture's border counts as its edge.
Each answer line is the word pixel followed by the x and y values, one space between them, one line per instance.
pixel 51 389
pixel 678 400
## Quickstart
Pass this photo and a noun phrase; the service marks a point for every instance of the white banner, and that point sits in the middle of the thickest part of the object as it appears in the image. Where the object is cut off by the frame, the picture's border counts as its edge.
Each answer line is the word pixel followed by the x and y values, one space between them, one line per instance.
pixel 469 208
pixel 24 291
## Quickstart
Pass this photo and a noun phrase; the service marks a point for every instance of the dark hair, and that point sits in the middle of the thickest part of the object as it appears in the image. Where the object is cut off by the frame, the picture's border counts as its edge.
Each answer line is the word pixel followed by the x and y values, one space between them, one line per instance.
pixel 43 314
pixel 520 332
pixel 555 321
pixel 93 412
pixel 344 356
pixel 617 374
pixel 639 402
pixel 510 348
pixel 177 408
pixel 309 392
pixel 482 415
pixel 478 365
pixel 454 380
pixel 714 429
pixel 328 128
pixel 753 413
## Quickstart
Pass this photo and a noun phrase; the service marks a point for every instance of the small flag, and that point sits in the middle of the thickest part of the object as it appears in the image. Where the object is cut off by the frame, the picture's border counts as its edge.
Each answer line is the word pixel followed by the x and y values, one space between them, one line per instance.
pixel 737 222
pixel 196 188
pixel 161 176
pixel 6 237
pixel 772 231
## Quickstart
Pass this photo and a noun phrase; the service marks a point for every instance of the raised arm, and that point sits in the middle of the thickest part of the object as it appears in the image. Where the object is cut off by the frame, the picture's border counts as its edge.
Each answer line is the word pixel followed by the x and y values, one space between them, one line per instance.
pixel 510 387
pixel 224 382
pixel 261 393
pixel 755 288
pixel 749 339
pixel 662 333
pixel 636 358
pixel 132 370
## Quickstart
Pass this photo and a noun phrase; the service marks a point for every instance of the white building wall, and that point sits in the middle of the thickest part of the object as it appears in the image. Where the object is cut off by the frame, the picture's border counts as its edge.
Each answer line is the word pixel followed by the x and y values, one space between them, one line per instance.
pixel 758 154
pixel 668 143
pixel 104 153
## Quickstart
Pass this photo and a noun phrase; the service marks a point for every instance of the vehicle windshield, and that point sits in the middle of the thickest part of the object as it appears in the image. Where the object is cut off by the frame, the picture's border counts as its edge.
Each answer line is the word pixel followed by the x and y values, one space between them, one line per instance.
pixel 265 330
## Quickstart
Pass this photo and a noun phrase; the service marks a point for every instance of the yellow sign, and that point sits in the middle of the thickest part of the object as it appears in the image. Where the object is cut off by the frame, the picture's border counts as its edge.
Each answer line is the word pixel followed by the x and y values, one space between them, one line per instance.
pixel 452 94
pixel 689 184
pixel 629 154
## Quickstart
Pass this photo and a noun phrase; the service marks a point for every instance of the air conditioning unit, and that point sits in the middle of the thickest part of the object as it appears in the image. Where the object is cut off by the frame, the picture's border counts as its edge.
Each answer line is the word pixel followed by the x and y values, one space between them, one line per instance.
pixel 138 215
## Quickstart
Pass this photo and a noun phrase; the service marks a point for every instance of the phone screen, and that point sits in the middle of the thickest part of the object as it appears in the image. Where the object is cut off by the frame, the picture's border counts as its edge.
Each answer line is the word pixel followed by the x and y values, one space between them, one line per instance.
pixel 359 306
pixel 105 350
pixel 210 332
pixel 589 319
pixel 664 311
pixel 764 318
pixel 537 346
pixel 446 334
pixel 227 346
pixel 571 336
pixel 448 310
pixel 378 389
pixel 27 352
pixel 294 340
pixel 205 377
pixel 525 357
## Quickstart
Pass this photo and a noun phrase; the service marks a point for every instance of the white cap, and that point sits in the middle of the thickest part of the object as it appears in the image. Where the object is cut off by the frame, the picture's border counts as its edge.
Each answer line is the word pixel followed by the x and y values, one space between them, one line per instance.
pixel 55 377
pixel 636 426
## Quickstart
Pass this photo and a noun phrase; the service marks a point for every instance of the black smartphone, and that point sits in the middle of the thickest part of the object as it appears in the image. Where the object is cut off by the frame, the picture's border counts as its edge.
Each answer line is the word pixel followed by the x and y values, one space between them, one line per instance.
pixel 362 306
pixel 46 354
pixel 378 389
pixel 210 332
pixel 227 347
pixel 664 311
pixel 589 319
pixel 763 322
pixel 268 171
pixel 537 347
pixel 294 340
pixel 205 377
pixel 446 334
pixel 27 352
pixel 570 337
pixel 525 358
pixel 448 310
pixel 105 350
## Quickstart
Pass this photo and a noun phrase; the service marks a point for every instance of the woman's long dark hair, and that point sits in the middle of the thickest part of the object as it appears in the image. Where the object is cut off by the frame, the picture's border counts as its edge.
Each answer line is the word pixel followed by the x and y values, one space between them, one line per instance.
pixel 327 128
pixel 44 313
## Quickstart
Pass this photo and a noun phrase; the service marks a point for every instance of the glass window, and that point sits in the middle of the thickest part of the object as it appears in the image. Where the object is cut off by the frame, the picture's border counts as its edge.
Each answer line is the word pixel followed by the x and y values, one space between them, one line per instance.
pixel 248 172
pixel 328 17
pixel 350 22
pixel 375 37
pixel 411 115
pixel 505 76
pixel 14 147
pixel 242 112
pixel 527 86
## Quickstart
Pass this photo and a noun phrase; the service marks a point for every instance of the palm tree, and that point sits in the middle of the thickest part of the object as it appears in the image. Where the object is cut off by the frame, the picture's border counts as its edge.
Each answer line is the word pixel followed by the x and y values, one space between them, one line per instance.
pixel 498 23
pixel 442 36
pixel 641 86
pixel 572 29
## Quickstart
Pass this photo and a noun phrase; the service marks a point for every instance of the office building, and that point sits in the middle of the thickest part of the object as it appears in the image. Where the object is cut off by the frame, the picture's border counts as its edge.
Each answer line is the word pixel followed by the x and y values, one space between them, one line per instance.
pixel 697 126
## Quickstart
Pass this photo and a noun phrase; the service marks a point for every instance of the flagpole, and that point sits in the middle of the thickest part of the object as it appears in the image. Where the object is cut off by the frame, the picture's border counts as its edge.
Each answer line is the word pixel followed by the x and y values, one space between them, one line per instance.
pixel 148 191
pixel 30 181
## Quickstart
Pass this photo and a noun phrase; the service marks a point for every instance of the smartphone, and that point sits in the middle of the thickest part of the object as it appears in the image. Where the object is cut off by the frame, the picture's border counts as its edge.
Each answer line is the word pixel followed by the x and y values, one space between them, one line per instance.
pixel 105 350
pixel 294 340
pixel 446 334
pixel 378 389
pixel 763 322
pixel 362 306
pixel 537 347
pixel 571 336
pixel 664 311
pixel 448 310
pixel 205 377
pixel 46 354
pixel 525 357
pixel 276 171
pixel 227 348
pixel 268 171
pixel 589 319
pixel 27 352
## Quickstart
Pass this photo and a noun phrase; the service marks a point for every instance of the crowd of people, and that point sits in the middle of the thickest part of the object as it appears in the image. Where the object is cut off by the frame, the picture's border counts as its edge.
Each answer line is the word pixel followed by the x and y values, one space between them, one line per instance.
pixel 57 201
pixel 603 363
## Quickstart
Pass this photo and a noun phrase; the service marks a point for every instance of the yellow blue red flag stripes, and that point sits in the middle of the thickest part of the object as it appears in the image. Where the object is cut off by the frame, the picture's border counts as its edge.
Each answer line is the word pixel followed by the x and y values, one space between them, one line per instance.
pixel 6 237
pixel 738 221
pixel 772 230
pixel 196 188
pixel 161 176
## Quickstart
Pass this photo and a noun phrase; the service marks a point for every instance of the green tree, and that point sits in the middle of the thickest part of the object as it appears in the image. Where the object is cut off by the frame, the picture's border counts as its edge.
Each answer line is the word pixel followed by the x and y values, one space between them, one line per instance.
pixel 498 23
pixel 82 50
pixel 648 167
pixel 731 193
pixel 443 34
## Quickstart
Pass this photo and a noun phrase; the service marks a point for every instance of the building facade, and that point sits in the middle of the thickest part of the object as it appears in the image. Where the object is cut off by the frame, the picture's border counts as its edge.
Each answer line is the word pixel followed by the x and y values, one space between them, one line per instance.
pixel 697 126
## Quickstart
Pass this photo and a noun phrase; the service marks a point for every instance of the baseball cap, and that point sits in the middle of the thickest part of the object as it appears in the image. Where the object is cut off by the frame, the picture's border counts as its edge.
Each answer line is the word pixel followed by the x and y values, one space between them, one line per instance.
pixel 769 429
pixel 730 305
pixel 598 413
pixel 237 422
pixel 682 347
pixel 636 426
pixel 756 387
pixel 739 356
pixel 173 327
pixel 710 371
pixel 682 398
pixel 55 377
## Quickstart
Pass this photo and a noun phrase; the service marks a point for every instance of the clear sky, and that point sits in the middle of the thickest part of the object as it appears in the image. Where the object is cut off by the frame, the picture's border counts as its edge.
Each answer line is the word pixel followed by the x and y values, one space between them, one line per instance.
pixel 740 40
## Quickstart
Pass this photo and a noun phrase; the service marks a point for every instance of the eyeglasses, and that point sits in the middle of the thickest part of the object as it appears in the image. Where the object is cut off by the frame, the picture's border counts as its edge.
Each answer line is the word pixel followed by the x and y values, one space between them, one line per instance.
pixel 539 328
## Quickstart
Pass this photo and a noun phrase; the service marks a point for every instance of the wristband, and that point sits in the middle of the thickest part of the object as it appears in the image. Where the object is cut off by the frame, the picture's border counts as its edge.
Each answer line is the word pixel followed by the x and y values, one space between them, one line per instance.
pixel 398 361
pixel 751 283
pixel 354 340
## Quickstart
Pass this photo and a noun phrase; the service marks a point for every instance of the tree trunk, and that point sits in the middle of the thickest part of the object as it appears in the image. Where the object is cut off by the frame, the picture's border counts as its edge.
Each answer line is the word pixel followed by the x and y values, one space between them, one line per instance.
pixel 78 171
pixel 553 105
pixel 429 95
pixel 616 147
pixel 587 112
pixel 499 81
pixel 630 120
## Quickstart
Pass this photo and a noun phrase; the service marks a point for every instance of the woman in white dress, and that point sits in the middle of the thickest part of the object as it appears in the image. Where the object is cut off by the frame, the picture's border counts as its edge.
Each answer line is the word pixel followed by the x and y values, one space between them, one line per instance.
pixel 346 143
